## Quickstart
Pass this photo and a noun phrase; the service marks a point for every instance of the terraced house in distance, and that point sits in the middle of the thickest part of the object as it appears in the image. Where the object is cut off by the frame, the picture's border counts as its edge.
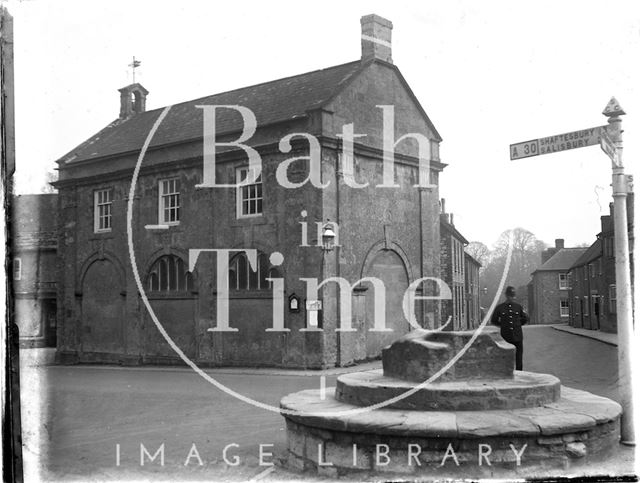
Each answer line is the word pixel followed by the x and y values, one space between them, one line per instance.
pixel 388 233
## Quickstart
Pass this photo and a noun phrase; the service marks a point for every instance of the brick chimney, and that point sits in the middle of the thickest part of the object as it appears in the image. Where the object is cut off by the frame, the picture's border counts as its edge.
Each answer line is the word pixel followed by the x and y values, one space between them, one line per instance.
pixel 376 38
pixel 559 243
pixel 133 100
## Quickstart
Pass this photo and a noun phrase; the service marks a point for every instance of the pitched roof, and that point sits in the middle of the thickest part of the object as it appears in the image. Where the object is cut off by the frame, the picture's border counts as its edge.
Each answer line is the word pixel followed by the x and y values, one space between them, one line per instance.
pixel 273 101
pixel 444 223
pixel 590 254
pixel 563 259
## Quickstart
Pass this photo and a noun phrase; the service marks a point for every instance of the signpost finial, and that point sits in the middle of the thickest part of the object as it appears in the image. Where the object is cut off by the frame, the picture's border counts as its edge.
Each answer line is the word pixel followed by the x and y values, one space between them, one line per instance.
pixel 613 108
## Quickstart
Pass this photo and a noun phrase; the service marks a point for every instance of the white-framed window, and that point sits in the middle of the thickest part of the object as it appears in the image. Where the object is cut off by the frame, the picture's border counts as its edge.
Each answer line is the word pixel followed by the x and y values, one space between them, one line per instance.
pixel 102 209
pixel 612 299
pixel 17 269
pixel 564 307
pixel 169 201
pixel 248 195
pixel 563 281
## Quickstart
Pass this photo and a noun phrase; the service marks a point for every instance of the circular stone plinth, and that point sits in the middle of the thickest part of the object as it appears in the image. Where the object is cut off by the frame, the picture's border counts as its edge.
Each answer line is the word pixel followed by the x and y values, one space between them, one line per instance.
pixel 524 390
pixel 335 437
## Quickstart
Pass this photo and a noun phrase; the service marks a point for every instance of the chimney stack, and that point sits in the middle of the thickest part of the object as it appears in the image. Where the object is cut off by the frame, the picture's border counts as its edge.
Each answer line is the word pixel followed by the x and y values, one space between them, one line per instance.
pixel 442 210
pixel 559 243
pixel 376 38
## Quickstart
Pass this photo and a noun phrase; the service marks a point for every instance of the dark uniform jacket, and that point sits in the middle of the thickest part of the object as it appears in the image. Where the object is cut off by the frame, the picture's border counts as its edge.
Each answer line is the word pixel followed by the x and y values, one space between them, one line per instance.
pixel 510 317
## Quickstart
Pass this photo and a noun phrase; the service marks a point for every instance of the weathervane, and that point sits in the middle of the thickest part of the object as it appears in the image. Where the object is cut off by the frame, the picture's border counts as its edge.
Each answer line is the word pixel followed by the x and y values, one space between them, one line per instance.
pixel 133 65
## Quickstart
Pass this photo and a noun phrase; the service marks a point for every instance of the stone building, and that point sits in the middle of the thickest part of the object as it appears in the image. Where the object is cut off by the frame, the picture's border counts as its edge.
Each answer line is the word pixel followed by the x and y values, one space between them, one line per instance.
pixel 461 272
pixel 391 233
pixel 34 267
pixel 593 279
pixel 549 287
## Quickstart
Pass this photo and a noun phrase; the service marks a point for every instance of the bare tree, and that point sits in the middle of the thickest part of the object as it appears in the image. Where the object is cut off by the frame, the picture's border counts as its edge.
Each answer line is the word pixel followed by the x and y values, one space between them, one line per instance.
pixel 479 251
pixel 525 258
pixel 51 176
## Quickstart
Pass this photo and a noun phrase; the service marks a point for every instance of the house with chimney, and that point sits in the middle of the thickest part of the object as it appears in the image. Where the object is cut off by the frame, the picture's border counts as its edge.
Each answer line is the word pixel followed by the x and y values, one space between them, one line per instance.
pixel 549 301
pixel 110 310
pixel 593 278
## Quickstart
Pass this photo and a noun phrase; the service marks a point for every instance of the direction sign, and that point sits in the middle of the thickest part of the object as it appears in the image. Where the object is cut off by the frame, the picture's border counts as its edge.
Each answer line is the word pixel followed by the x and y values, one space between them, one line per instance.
pixel 608 147
pixel 557 143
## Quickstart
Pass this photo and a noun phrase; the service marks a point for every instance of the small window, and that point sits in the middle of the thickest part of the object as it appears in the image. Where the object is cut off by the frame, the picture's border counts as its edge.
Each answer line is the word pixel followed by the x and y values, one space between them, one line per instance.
pixel 169 201
pixel 592 270
pixel 564 308
pixel 248 195
pixel 612 299
pixel 102 208
pixel 563 281
pixel 17 269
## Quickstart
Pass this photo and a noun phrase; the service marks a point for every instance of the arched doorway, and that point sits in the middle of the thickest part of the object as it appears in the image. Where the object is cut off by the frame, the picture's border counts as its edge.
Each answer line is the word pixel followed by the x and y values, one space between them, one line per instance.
pixel 102 309
pixel 390 268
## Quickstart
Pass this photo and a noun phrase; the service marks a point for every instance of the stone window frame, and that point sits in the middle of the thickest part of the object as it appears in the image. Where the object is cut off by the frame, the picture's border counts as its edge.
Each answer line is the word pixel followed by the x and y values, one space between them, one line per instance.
pixel 254 202
pixel 251 281
pixel 17 268
pixel 563 284
pixel 174 268
pixel 564 307
pixel 170 195
pixel 102 210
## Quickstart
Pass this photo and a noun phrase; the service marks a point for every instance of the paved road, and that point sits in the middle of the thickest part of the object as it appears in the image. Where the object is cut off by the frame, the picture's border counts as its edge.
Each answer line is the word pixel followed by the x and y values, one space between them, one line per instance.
pixel 87 411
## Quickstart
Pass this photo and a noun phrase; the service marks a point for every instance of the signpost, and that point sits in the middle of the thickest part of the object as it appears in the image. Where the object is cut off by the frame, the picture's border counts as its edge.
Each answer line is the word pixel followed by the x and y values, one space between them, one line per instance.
pixel 610 140
pixel 557 143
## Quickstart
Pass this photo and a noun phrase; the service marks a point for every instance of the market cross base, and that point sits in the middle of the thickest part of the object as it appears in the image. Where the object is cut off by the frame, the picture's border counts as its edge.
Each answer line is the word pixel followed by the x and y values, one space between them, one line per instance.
pixel 463 423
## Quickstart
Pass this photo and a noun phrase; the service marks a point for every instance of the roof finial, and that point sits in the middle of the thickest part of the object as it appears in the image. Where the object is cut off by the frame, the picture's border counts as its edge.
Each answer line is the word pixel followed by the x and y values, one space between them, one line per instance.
pixel 133 65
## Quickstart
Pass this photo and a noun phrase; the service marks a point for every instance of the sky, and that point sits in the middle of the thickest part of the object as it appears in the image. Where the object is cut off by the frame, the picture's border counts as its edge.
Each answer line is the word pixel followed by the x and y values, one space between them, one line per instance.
pixel 488 74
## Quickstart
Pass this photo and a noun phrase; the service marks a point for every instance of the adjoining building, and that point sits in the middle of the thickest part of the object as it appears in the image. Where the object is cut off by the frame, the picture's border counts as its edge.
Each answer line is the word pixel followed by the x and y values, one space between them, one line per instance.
pixel 34 268
pixel 593 278
pixel 549 287
pixel 390 233
pixel 461 272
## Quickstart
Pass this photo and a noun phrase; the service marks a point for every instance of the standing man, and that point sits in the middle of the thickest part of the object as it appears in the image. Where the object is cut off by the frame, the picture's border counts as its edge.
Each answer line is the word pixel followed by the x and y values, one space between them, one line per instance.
pixel 510 317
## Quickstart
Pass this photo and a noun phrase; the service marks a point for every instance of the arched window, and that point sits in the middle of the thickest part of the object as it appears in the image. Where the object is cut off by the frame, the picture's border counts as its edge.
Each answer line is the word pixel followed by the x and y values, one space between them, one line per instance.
pixel 242 277
pixel 169 274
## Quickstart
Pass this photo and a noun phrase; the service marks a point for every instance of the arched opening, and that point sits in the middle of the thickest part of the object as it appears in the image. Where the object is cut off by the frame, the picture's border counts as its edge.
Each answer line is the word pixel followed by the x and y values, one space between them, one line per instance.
pixel 102 309
pixel 389 267
pixel 171 294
